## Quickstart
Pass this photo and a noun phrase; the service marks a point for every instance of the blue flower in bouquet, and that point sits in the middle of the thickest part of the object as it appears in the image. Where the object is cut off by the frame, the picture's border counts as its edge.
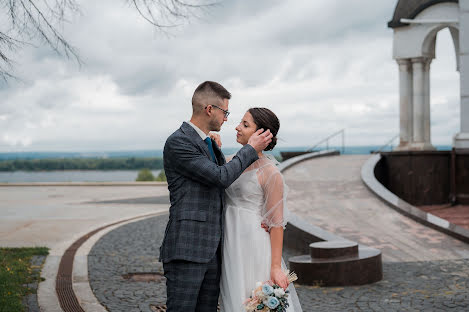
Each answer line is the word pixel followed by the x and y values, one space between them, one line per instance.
pixel 272 302
pixel 267 289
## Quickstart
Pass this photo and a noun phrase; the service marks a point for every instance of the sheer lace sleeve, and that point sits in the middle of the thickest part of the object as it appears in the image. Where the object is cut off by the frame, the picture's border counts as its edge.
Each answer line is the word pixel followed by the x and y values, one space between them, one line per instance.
pixel 274 212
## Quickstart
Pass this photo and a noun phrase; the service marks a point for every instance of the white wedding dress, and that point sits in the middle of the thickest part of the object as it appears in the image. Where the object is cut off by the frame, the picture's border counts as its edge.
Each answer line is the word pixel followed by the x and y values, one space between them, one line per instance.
pixel 257 196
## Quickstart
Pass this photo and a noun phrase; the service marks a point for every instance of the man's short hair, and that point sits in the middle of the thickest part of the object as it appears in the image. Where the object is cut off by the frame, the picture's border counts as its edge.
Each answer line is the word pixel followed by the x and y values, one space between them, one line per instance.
pixel 208 93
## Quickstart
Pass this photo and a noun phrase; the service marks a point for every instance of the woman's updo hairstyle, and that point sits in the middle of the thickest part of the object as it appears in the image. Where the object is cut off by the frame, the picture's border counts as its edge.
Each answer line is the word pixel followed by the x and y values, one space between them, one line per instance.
pixel 264 118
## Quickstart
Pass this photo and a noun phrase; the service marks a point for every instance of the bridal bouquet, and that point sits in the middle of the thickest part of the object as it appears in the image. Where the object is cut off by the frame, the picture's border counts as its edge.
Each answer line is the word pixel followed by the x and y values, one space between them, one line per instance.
pixel 267 297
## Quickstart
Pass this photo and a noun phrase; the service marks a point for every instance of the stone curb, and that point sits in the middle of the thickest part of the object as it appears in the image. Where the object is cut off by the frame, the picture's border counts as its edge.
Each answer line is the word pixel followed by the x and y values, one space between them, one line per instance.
pixel 403 207
pixel 47 295
pixel 297 159
pixel 81 284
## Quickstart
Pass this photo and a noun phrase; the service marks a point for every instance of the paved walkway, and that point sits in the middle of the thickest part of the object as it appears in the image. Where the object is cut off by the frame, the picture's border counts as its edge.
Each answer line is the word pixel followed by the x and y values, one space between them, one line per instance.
pixel 328 192
pixel 458 214
pixel 132 250
pixel 424 270
pixel 53 215
pixel 56 216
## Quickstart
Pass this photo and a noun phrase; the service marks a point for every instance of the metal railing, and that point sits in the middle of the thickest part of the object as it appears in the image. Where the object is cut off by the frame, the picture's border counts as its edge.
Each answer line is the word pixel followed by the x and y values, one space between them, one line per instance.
pixel 389 143
pixel 341 132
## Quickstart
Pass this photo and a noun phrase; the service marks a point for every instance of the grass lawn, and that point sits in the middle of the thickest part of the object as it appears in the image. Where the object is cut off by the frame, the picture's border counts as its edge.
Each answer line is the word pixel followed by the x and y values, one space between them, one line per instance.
pixel 15 271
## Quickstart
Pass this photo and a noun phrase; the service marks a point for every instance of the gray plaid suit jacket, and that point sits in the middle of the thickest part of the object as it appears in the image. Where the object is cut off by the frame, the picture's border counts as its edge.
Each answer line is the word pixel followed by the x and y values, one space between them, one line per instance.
pixel 196 189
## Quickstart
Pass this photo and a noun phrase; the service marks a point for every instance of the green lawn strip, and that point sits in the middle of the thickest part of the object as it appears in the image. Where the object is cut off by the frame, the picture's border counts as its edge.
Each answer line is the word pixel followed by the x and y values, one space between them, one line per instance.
pixel 15 271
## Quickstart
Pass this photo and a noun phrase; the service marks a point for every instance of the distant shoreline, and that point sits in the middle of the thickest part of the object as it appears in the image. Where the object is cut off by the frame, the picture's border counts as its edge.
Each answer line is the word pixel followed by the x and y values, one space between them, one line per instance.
pixel 82 164
pixel 71 176
pixel 158 153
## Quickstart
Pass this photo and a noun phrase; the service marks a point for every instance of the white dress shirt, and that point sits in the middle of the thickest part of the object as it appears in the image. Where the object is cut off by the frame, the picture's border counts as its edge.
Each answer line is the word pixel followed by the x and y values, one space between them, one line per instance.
pixel 202 134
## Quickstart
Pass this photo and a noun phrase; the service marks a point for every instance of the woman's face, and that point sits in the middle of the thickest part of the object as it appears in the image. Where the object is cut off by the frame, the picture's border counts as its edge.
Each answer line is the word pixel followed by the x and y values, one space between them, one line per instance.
pixel 245 129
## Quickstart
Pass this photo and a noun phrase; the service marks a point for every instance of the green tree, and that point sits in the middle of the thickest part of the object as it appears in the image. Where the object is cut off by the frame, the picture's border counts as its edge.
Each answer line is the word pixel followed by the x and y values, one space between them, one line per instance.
pixel 161 177
pixel 145 175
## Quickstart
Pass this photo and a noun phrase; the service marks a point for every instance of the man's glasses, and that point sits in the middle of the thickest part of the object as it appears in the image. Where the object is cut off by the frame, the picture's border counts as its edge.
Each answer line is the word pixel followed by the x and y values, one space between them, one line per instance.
pixel 227 113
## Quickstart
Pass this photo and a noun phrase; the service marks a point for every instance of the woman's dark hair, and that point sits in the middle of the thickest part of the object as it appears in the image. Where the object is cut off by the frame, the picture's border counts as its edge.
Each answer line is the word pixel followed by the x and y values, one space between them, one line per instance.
pixel 264 118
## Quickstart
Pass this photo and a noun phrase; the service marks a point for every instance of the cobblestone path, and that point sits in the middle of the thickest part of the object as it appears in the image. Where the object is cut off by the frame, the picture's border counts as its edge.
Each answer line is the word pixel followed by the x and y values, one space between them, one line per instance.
pixel 131 248
pixel 407 286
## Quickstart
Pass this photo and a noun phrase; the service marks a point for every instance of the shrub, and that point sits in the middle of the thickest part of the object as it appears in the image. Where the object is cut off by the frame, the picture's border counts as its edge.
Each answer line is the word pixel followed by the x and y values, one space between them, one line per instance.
pixel 145 175
pixel 161 176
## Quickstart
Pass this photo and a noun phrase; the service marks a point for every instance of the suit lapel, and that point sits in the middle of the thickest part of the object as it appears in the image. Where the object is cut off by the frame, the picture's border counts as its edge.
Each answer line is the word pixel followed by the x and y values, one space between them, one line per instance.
pixel 190 131
pixel 218 154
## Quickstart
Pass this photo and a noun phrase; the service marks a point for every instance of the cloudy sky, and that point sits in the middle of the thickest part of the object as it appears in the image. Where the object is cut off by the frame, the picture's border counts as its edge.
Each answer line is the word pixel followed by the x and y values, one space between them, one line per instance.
pixel 320 65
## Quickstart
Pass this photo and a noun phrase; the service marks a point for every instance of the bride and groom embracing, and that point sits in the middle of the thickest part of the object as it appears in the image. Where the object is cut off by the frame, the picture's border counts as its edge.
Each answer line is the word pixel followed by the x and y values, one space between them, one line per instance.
pixel 226 220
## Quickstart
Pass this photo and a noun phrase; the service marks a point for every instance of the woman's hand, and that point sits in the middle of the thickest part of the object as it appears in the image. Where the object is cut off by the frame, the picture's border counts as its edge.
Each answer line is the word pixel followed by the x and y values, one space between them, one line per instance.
pixel 215 137
pixel 277 276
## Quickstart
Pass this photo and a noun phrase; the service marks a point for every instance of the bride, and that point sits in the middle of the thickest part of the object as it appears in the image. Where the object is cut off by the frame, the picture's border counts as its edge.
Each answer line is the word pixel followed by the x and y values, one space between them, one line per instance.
pixel 251 253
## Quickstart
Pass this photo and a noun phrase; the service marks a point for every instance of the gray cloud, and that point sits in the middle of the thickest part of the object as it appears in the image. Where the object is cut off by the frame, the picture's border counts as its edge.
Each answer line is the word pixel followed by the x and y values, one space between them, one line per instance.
pixel 320 65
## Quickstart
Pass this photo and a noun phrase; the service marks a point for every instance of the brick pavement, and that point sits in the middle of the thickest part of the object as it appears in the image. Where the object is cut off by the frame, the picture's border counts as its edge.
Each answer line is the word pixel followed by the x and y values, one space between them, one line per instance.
pixel 328 192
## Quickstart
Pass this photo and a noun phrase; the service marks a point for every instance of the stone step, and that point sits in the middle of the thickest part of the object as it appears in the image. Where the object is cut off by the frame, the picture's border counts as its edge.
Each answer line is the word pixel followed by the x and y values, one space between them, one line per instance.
pixel 364 267
pixel 333 249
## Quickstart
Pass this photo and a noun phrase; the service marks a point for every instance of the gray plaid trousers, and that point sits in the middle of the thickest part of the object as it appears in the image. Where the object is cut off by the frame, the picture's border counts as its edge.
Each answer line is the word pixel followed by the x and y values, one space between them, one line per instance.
pixel 193 286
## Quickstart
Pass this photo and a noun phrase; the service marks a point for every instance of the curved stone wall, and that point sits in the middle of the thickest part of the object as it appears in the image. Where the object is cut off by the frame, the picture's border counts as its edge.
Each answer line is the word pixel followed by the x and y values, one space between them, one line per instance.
pixel 323 258
pixel 368 174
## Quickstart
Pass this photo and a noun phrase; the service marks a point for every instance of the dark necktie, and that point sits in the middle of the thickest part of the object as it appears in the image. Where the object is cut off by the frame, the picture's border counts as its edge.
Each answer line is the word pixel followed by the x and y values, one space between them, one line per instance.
pixel 210 148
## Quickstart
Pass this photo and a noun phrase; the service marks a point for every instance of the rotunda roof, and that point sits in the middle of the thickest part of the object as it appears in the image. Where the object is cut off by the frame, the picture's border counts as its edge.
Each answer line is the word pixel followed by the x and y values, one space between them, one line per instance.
pixel 410 9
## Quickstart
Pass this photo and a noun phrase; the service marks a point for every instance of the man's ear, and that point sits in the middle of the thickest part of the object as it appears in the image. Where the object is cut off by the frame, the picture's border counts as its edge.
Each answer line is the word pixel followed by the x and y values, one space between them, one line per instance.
pixel 208 110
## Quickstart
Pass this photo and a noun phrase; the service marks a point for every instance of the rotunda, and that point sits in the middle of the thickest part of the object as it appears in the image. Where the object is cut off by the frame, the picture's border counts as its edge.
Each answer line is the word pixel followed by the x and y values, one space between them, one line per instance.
pixel 416 24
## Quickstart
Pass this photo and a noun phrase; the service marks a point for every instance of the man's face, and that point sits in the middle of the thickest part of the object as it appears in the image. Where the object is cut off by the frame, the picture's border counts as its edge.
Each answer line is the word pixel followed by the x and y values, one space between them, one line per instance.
pixel 218 116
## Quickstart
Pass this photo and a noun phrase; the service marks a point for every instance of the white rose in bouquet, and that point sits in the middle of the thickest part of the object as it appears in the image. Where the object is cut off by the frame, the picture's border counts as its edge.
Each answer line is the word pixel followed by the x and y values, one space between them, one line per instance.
pixel 279 292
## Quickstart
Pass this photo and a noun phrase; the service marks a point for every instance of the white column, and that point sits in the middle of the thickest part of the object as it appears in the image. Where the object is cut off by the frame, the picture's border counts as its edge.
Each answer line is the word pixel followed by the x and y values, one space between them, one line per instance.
pixel 405 104
pixel 461 140
pixel 418 99
pixel 426 92
pixel 421 104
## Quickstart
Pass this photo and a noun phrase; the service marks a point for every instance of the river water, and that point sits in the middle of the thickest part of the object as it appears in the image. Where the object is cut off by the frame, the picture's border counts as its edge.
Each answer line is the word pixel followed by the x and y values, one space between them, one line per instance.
pixel 71 176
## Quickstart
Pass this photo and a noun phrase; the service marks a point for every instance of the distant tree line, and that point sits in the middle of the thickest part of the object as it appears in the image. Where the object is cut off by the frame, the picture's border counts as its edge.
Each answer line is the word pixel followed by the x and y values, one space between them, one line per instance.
pixel 146 175
pixel 81 164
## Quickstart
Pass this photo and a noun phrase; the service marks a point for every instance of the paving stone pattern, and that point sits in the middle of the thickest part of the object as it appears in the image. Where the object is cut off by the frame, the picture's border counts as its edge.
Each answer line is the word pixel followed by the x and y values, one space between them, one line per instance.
pixel 328 192
pixel 131 248
pixel 407 286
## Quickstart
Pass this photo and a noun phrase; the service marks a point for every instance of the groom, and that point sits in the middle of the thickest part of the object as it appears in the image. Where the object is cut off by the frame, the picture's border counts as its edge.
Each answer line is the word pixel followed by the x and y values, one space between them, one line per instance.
pixel 197 175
